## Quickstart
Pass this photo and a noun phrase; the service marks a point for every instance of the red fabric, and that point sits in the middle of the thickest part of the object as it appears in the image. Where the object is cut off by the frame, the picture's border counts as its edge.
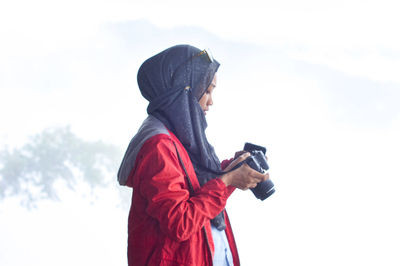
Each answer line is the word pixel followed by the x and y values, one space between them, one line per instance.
pixel 225 163
pixel 167 226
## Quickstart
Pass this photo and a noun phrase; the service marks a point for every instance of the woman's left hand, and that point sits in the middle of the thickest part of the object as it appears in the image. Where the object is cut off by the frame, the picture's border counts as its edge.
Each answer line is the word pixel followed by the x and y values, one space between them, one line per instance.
pixel 238 153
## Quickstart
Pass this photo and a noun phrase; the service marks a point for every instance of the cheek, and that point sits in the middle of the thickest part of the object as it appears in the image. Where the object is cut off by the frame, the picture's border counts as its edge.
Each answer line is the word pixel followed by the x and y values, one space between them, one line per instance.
pixel 203 101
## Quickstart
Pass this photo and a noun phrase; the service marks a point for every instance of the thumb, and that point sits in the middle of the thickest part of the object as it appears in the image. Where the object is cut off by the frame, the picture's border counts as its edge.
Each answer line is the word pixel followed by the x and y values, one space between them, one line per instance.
pixel 237 160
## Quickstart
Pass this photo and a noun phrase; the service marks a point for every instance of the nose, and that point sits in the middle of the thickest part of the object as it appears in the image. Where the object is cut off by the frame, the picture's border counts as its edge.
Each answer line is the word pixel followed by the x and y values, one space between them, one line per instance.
pixel 210 101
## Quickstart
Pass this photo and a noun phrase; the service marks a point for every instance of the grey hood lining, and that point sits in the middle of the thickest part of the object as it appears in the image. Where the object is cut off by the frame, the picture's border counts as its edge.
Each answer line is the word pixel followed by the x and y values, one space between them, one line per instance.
pixel 151 126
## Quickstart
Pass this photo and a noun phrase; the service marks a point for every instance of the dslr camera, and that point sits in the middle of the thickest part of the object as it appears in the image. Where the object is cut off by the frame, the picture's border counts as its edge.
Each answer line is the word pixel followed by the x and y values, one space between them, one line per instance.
pixel 258 162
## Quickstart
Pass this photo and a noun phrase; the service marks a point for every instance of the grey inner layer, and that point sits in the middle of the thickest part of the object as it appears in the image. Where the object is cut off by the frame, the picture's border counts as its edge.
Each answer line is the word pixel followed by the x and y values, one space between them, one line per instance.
pixel 151 126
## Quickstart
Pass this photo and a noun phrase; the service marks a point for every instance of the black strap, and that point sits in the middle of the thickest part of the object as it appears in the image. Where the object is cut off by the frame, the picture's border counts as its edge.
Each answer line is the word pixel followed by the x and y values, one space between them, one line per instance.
pixel 191 191
pixel 218 173
pixel 184 169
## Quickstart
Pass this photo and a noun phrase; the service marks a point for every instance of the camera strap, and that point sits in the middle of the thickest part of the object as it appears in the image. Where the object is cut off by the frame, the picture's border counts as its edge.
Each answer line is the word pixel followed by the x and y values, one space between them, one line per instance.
pixel 218 173
pixel 184 169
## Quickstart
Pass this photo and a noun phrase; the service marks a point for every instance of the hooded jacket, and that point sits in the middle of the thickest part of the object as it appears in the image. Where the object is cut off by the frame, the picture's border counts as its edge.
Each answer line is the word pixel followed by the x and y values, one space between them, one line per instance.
pixel 173 81
pixel 168 223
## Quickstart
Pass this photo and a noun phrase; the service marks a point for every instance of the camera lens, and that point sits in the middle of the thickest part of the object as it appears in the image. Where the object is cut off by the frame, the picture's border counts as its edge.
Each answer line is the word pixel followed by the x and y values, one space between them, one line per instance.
pixel 264 189
pixel 258 162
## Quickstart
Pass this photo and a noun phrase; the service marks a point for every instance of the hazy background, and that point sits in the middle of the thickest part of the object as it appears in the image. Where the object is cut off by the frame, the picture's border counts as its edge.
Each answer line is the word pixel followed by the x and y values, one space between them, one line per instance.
pixel 316 82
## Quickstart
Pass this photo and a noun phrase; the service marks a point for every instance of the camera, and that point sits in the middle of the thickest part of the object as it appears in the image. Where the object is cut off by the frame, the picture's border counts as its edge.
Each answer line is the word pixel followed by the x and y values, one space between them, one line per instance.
pixel 258 162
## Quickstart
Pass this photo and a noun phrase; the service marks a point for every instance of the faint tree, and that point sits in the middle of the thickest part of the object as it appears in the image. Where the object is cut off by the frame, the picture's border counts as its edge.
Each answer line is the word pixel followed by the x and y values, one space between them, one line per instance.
pixel 53 155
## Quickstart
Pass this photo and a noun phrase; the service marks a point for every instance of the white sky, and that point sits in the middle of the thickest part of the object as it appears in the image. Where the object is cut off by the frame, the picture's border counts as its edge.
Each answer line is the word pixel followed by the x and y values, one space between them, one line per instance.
pixel 347 35
pixel 336 200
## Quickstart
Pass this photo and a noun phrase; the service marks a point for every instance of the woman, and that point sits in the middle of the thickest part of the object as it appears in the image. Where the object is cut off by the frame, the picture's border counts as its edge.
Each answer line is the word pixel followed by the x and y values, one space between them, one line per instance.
pixel 177 215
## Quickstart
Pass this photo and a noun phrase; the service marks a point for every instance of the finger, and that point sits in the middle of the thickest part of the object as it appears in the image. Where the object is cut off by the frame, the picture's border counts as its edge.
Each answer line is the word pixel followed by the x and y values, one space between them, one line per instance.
pixel 243 156
pixel 266 176
pixel 254 173
pixel 236 161
pixel 253 185
pixel 262 176
pixel 243 187
pixel 240 159
pixel 237 154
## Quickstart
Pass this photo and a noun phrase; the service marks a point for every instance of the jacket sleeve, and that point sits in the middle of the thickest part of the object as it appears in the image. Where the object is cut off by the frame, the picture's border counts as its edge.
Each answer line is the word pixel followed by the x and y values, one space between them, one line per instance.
pixel 162 183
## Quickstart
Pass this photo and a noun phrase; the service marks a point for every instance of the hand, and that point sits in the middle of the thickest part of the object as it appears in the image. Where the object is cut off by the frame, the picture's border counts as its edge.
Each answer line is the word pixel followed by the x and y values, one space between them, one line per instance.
pixel 238 153
pixel 244 177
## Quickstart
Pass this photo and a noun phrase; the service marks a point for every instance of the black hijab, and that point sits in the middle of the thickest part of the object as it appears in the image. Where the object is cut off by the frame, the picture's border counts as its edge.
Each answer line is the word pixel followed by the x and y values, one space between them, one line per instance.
pixel 173 82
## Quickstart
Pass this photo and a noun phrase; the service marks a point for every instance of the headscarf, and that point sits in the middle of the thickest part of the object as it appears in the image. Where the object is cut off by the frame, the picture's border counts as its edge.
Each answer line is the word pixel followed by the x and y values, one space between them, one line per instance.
pixel 173 82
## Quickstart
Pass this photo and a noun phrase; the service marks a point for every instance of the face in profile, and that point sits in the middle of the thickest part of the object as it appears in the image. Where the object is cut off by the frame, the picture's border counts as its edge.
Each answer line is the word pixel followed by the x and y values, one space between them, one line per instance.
pixel 206 100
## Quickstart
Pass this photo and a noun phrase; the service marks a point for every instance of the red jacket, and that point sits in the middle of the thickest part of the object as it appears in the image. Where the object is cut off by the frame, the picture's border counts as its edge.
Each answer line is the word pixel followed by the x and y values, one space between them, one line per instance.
pixel 167 225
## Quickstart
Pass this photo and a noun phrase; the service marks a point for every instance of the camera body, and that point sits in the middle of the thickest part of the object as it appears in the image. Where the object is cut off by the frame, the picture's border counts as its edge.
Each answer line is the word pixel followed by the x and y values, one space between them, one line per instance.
pixel 258 162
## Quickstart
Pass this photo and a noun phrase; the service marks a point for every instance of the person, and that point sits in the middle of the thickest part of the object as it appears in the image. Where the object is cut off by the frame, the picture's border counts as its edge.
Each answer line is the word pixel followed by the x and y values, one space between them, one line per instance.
pixel 177 214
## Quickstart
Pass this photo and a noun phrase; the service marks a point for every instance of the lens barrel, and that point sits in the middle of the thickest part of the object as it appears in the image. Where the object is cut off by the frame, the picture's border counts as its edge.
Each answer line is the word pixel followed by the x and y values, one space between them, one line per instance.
pixel 258 162
pixel 264 189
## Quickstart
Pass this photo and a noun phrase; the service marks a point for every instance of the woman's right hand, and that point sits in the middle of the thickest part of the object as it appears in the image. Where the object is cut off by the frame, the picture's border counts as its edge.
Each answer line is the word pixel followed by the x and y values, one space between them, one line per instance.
pixel 244 177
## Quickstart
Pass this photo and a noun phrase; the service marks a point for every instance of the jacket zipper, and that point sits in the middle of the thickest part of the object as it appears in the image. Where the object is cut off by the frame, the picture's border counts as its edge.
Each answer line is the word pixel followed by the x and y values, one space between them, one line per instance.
pixel 208 244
